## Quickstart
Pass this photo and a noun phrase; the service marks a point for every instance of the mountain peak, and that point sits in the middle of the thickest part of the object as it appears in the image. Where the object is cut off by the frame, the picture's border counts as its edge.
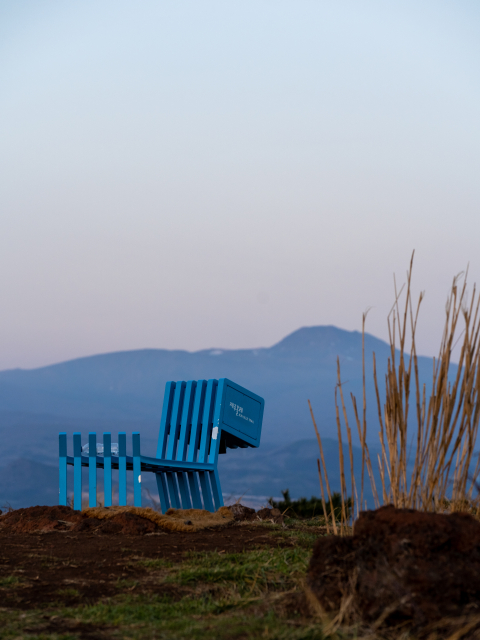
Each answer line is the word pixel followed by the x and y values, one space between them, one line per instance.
pixel 324 338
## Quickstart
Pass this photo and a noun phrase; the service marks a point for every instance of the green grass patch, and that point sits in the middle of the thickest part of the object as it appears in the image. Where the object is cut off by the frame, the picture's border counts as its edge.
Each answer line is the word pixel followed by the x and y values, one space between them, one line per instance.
pixel 9 581
pixel 200 618
pixel 304 538
pixel 248 571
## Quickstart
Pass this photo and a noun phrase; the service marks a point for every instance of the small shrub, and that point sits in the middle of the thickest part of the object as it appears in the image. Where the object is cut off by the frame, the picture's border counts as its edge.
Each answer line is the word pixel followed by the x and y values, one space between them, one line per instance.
pixel 304 508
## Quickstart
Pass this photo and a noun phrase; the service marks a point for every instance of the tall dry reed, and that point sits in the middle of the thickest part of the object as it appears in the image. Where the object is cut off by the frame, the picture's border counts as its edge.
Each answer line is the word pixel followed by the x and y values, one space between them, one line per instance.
pixel 444 418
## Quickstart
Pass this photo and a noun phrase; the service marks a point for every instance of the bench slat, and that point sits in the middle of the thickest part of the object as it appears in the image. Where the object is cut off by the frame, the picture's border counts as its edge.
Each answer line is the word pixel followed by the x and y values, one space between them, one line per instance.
pixel 194 489
pixel 92 469
pixel 196 420
pixel 77 471
pixel 172 490
pixel 137 470
pixel 162 491
pixel 216 490
pixel 206 491
pixel 184 493
pixel 62 469
pixel 107 475
pixel 207 420
pixel 175 421
pixel 122 469
pixel 186 421
pixel 165 419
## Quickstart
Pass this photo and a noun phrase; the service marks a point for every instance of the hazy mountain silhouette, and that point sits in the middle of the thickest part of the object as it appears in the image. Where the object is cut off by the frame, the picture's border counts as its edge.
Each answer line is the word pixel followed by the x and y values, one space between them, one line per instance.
pixel 124 391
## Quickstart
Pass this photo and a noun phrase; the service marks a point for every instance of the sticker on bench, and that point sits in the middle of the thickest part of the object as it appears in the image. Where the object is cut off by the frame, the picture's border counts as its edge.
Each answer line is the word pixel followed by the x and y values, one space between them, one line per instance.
pixel 241 412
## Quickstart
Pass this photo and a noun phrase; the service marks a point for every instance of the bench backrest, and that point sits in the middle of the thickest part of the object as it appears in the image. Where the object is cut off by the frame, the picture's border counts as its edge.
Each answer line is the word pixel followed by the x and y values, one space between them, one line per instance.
pixel 201 418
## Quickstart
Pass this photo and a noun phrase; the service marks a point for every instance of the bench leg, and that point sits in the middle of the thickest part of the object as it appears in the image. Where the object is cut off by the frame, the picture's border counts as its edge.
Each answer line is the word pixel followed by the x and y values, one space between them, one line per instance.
pixel 216 489
pixel 137 471
pixel 194 489
pixel 172 490
pixel 92 469
pixel 162 492
pixel 107 469
pixel 62 469
pixel 77 471
pixel 184 494
pixel 122 469
pixel 206 491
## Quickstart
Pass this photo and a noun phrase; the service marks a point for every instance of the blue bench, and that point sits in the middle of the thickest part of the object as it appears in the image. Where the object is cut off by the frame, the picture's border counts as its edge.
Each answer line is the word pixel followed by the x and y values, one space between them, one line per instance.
pixel 200 419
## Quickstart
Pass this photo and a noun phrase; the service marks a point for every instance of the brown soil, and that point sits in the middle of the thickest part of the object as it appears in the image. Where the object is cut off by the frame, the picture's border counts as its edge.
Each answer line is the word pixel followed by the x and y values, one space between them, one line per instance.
pixel 59 555
pixel 40 519
pixel 420 567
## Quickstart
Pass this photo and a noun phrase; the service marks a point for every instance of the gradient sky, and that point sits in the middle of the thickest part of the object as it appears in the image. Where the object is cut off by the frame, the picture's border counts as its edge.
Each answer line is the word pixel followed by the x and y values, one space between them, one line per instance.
pixel 218 174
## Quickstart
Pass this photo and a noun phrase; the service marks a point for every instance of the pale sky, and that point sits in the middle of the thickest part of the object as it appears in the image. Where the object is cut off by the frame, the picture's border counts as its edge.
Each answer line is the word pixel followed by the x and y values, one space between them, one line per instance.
pixel 200 174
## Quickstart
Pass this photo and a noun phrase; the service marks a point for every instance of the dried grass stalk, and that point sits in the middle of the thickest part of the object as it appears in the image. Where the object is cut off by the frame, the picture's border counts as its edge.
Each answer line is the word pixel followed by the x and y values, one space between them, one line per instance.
pixel 447 419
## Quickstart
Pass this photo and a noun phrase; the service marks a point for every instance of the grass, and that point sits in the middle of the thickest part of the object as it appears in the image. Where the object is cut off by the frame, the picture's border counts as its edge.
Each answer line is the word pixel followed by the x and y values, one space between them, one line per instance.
pixel 249 572
pixel 197 618
pixel 254 594
pixel 68 592
pixel 155 563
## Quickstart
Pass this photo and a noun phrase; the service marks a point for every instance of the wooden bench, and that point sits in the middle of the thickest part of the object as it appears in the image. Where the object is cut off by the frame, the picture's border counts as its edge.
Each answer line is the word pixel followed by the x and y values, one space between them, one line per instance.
pixel 200 419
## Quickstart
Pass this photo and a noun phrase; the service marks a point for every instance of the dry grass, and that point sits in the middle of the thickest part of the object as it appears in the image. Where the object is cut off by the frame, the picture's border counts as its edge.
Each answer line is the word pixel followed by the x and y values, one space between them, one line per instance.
pixel 447 415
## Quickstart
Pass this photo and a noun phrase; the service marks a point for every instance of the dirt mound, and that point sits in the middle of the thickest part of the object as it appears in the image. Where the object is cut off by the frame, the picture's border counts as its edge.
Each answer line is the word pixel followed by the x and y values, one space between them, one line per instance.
pixel 112 520
pixel 405 565
pixel 121 523
pixel 47 519
pixel 128 520
pixel 34 519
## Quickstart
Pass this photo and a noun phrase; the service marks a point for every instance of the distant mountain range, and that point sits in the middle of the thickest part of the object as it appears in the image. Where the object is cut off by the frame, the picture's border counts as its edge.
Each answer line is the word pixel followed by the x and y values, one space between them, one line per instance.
pixel 124 391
